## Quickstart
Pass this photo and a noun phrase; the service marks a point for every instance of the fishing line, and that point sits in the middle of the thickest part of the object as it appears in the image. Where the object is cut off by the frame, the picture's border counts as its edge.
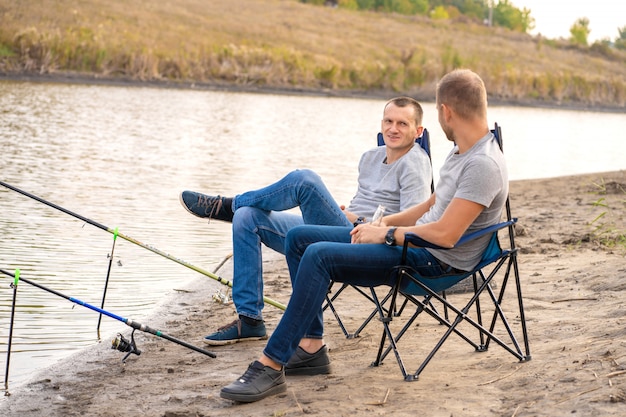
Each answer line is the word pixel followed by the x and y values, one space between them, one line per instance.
pixel 118 342
pixel 136 242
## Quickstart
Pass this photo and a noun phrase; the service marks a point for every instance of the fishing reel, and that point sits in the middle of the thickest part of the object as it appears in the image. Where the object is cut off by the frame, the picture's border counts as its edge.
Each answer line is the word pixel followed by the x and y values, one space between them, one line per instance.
pixel 124 345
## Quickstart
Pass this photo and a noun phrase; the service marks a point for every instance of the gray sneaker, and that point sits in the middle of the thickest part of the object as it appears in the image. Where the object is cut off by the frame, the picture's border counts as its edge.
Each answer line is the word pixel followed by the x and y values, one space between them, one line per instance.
pixel 206 206
pixel 237 331
pixel 304 363
pixel 258 382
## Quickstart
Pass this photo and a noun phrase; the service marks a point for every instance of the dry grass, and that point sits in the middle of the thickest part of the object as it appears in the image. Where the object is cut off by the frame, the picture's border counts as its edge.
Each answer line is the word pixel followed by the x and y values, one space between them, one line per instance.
pixel 287 44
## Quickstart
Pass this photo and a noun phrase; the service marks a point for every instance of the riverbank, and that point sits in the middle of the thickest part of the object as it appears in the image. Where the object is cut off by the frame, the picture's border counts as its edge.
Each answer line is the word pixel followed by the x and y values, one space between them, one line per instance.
pixel 289 44
pixel 94 79
pixel 573 288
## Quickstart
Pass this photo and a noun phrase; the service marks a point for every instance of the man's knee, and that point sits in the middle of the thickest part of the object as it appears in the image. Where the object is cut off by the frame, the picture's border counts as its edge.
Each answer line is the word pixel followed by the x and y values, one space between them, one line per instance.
pixel 305 176
pixel 247 219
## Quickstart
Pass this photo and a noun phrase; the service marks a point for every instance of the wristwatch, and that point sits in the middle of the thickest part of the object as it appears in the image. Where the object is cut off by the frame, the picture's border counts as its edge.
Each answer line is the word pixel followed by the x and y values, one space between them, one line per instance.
pixel 390 239
pixel 359 221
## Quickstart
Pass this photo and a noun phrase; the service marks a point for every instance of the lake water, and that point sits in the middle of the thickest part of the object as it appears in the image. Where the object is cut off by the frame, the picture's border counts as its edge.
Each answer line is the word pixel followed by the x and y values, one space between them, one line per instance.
pixel 120 156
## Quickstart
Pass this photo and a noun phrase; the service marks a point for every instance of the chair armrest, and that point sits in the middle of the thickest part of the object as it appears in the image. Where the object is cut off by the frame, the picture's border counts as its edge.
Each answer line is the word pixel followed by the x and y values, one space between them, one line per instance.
pixel 414 239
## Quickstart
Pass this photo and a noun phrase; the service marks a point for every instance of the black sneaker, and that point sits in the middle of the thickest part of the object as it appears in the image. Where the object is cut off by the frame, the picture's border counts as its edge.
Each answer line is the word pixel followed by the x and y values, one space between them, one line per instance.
pixel 237 331
pixel 203 205
pixel 304 363
pixel 258 382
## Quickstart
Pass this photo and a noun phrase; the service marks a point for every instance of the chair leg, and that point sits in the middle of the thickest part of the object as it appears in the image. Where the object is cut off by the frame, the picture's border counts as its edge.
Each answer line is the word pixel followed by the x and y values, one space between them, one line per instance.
pixel 374 312
pixel 522 356
pixel 485 335
pixel 347 334
pixel 386 319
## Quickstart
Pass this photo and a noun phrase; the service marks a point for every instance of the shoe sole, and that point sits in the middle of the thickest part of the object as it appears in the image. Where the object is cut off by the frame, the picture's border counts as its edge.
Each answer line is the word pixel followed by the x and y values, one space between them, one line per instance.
pixel 249 398
pixel 312 370
pixel 211 342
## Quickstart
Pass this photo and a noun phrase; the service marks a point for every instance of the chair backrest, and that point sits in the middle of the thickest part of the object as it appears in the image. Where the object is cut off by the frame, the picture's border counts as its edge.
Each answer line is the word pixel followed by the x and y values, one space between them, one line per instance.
pixel 424 142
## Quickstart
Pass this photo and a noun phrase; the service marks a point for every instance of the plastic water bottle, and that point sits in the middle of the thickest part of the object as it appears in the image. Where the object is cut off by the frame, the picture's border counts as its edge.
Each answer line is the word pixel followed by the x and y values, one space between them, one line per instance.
pixel 378 215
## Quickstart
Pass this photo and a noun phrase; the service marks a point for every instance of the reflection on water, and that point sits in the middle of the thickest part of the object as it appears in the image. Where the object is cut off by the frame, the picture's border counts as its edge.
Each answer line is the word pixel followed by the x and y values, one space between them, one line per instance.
pixel 120 157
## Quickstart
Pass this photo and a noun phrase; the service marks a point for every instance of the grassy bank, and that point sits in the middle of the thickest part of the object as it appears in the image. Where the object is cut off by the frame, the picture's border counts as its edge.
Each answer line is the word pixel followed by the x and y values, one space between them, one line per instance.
pixel 289 45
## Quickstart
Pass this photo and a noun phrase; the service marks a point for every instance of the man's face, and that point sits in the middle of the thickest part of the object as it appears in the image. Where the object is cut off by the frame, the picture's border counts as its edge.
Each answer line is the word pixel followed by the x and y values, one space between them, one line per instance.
pixel 398 127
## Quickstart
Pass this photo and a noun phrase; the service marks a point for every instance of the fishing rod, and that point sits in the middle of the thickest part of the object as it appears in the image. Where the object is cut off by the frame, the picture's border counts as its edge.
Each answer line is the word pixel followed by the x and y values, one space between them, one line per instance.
pixel 136 242
pixel 16 279
pixel 106 282
pixel 120 343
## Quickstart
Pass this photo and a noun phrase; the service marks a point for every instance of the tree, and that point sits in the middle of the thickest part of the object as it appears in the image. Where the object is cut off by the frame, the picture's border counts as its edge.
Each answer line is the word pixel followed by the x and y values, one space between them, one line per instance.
pixel 580 31
pixel 509 16
pixel 620 43
pixel 439 13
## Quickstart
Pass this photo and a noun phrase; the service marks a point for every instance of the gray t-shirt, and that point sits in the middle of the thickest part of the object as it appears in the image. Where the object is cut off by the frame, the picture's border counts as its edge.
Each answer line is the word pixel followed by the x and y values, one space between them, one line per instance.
pixel 397 186
pixel 478 175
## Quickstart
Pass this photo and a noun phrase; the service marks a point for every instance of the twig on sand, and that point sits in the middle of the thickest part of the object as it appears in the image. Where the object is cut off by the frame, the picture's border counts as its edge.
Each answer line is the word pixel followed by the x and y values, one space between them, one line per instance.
pixel 499 379
pixel 384 401
pixel 516 410
pixel 565 300
pixel 616 373
pixel 297 402
pixel 579 394
pixel 227 257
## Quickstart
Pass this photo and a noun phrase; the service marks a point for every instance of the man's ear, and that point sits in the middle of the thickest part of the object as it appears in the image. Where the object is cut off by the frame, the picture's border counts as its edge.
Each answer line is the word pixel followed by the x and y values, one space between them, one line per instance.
pixel 419 131
pixel 447 112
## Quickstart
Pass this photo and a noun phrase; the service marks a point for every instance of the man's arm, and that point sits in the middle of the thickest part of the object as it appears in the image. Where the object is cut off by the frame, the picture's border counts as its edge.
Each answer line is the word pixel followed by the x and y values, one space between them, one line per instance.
pixel 409 216
pixel 445 232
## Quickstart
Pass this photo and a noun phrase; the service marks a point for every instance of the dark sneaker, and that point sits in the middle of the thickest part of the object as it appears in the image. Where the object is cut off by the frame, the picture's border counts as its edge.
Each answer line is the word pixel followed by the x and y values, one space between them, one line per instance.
pixel 258 382
pixel 203 205
pixel 304 363
pixel 237 331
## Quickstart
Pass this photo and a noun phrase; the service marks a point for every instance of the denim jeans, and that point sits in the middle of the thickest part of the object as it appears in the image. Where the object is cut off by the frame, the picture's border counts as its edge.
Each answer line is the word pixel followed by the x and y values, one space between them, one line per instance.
pixel 317 254
pixel 259 217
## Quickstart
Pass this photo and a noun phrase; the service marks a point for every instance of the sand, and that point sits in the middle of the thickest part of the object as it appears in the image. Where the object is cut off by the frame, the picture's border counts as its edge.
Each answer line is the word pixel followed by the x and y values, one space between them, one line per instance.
pixel 573 281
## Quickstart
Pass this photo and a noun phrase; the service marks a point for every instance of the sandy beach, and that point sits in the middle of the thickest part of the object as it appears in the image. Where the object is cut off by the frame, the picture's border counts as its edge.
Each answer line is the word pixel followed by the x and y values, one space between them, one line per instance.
pixel 574 294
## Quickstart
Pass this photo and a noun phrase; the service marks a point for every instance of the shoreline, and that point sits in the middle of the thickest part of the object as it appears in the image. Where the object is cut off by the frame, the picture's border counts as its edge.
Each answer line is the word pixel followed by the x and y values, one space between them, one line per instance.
pixel 576 362
pixel 96 79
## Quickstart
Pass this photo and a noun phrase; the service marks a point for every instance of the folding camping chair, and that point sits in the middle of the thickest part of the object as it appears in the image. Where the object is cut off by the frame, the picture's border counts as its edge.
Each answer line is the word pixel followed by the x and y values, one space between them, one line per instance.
pixel 428 292
pixel 424 142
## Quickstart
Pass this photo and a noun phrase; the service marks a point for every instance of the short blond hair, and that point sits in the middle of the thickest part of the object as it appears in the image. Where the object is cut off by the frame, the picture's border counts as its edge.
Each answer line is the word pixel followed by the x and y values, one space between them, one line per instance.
pixel 464 92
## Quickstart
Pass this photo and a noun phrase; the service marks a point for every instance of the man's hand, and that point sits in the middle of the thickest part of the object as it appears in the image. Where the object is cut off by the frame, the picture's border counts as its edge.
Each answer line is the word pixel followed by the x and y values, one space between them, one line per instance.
pixel 368 233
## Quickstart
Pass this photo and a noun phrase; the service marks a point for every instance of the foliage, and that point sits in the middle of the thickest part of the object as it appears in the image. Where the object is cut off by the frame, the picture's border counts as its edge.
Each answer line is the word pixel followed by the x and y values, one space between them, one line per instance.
pixel 580 31
pixel 604 225
pixel 439 13
pixel 348 4
pixel 316 47
pixel 620 42
pixel 507 15
pixel 5 51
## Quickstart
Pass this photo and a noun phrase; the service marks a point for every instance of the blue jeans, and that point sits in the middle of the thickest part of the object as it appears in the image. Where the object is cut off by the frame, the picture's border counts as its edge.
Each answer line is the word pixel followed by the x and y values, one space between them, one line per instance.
pixel 259 218
pixel 317 254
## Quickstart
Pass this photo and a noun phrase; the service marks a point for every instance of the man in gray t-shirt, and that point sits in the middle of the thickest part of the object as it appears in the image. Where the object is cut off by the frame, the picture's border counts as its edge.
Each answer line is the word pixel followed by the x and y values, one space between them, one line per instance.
pixel 479 176
pixel 397 176
pixel 470 194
